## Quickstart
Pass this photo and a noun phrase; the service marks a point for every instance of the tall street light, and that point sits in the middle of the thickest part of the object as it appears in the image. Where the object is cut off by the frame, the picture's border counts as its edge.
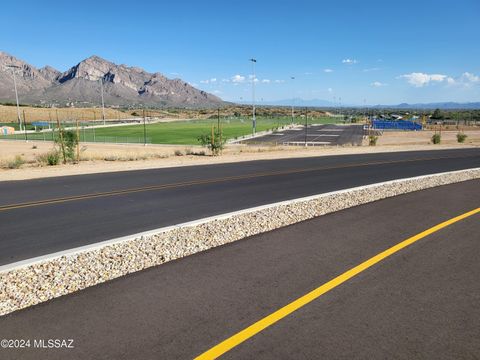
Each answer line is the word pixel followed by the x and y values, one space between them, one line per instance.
pixel 103 102
pixel 293 101
pixel 254 120
pixel 19 118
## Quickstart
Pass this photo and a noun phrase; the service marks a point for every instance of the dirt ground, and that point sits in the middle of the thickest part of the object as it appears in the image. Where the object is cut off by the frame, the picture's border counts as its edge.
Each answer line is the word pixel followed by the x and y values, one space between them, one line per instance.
pixel 115 157
pixel 424 137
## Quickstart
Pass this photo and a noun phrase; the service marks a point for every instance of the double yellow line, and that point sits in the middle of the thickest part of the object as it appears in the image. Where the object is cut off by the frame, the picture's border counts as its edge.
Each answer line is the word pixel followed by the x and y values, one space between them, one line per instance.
pixel 209 181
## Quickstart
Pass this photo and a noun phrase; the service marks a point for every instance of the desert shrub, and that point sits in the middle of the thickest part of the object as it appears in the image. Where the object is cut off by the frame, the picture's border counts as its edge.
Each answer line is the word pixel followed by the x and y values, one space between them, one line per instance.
pixel 216 144
pixel 53 158
pixel 67 141
pixel 111 158
pixel 436 138
pixel 178 152
pixel 372 140
pixel 461 137
pixel 16 163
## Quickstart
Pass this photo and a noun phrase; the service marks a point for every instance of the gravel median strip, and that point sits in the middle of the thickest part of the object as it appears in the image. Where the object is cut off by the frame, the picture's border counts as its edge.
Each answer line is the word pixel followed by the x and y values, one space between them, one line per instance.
pixel 37 280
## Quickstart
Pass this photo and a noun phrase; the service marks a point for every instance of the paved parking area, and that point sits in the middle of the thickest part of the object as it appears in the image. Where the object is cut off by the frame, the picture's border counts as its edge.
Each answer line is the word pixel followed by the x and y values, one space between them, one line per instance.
pixel 313 135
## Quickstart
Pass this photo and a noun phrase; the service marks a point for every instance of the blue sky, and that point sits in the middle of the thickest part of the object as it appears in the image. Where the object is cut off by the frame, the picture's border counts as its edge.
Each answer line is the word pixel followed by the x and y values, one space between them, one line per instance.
pixel 381 52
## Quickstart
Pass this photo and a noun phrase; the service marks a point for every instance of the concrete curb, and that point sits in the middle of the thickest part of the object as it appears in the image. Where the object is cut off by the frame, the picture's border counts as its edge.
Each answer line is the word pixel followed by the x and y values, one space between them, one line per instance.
pixel 36 280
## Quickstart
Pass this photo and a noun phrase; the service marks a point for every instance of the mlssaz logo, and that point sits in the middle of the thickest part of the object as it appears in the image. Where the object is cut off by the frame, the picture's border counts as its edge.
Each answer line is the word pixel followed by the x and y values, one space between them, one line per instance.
pixel 53 343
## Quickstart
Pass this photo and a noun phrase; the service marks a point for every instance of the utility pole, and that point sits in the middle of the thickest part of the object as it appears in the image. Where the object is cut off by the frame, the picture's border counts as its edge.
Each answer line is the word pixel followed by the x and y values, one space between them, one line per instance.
pixel 306 125
pixel 144 129
pixel 293 101
pixel 254 120
pixel 340 107
pixel 103 102
pixel 25 126
pixel 78 142
pixel 62 145
pixel 19 118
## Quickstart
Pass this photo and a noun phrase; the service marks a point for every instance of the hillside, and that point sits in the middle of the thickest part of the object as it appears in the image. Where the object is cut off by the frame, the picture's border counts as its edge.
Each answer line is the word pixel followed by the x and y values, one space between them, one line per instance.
pixel 81 85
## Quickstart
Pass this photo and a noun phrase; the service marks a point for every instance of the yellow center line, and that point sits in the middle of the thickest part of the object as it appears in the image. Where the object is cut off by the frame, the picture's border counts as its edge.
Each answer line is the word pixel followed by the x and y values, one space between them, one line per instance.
pixel 271 319
pixel 210 181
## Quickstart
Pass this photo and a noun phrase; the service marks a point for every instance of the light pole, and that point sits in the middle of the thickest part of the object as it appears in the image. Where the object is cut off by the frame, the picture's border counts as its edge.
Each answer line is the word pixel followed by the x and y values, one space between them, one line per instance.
pixel 340 107
pixel 103 102
pixel 19 118
pixel 293 101
pixel 254 120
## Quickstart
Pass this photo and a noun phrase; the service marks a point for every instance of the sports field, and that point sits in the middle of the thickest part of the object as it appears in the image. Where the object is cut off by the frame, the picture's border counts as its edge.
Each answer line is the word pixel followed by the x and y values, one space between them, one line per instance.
pixel 179 132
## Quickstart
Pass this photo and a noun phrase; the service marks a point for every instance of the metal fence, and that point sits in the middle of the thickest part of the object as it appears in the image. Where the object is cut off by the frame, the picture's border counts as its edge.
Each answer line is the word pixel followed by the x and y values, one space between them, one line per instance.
pixel 84 137
pixel 395 125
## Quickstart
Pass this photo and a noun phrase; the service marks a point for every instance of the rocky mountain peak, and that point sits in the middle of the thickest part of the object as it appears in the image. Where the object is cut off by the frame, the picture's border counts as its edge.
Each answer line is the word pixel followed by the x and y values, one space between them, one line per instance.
pixel 124 85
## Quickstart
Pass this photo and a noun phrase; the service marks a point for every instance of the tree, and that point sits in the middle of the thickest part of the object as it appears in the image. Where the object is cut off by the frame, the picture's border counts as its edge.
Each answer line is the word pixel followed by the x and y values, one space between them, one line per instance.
pixel 437 114
pixel 215 143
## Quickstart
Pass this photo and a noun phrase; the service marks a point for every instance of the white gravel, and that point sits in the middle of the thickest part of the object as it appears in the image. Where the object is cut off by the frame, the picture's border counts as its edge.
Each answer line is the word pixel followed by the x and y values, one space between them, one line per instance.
pixel 30 284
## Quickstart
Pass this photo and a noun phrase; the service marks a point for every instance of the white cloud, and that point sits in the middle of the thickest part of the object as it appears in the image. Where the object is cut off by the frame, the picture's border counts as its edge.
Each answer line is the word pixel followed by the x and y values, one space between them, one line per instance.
pixel 193 84
pixel 308 73
pixel 330 90
pixel 349 61
pixel 208 81
pixel 418 79
pixel 371 69
pixel 225 80
pixel 378 84
pixel 471 78
pixel 266 81
pixel 279 81
pixel 328 70
pixel 217 92
pixel 238 79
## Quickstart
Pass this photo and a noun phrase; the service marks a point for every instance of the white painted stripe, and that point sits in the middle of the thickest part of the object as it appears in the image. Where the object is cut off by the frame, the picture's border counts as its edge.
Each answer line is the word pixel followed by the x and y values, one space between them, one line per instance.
pixel 82 249
pixel 307 143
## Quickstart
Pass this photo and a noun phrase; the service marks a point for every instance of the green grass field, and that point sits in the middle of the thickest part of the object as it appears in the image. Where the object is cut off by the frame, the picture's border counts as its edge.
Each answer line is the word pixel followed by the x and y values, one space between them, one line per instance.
pixel 179 132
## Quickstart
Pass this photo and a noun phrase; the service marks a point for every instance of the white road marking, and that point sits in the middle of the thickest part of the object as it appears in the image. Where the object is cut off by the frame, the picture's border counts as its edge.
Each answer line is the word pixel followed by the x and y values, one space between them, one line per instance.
pixel 307 143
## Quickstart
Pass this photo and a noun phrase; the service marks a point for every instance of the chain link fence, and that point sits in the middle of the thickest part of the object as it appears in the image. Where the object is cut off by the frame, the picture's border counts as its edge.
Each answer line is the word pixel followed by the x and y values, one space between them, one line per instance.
pixel 84 137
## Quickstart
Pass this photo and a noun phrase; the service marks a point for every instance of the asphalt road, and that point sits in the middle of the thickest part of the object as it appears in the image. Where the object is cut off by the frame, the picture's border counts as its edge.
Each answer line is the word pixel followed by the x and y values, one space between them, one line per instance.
pixel 164 197
pixel 420 303
pixel 316 135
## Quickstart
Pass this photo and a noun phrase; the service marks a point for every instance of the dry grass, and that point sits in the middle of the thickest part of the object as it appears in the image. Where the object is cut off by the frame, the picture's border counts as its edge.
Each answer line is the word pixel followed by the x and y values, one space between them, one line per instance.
pixel 9 114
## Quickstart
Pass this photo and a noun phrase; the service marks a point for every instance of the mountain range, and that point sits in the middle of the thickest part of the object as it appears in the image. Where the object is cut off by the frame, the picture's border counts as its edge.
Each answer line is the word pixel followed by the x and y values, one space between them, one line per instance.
pixel 81 85
pixel 329 104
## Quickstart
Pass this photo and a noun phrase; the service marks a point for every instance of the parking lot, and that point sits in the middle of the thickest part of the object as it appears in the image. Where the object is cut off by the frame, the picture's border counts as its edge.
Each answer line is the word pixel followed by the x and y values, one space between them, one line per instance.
pixel 313 135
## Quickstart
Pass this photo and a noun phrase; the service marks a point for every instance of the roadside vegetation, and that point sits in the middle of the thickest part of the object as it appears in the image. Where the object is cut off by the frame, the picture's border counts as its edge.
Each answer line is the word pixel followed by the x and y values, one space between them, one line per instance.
pixel 214 141
pixel 436 138
pixel 461 137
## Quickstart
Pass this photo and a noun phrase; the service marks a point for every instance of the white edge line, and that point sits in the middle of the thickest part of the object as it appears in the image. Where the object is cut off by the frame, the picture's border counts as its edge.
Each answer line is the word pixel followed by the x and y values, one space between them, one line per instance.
pixel 95 246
